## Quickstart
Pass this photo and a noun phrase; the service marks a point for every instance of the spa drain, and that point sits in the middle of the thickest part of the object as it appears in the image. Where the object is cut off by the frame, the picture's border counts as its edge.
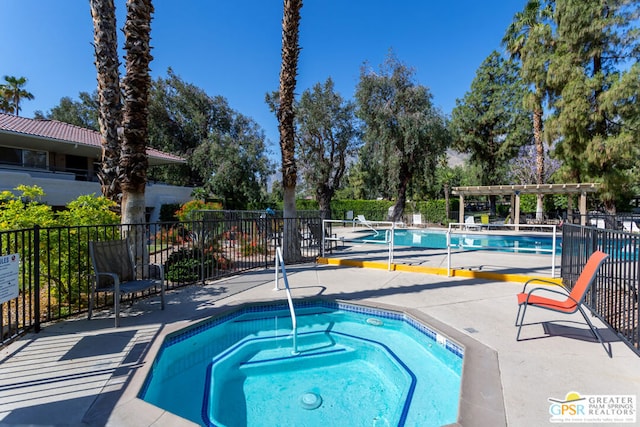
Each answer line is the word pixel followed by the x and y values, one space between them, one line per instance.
pixel 374 322
pixel 310 400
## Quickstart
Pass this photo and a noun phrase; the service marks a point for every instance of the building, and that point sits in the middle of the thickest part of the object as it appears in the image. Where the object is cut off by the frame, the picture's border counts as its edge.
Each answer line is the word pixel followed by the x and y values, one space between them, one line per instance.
pixel 63 159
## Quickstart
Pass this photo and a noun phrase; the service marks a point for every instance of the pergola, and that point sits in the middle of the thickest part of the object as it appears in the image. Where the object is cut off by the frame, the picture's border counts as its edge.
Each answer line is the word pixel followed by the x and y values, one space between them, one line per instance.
pixel 516 190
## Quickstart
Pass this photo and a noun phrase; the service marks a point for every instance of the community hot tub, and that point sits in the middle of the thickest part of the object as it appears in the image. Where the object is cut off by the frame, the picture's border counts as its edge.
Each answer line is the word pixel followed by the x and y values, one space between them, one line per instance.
pixel 362 364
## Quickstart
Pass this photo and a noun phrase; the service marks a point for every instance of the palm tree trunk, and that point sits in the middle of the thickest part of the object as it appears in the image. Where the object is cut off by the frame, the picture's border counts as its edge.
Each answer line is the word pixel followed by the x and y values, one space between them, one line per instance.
pixel 446 202
pixel 110 108
pixel 136 84
pixel 537 138
pixel 288 72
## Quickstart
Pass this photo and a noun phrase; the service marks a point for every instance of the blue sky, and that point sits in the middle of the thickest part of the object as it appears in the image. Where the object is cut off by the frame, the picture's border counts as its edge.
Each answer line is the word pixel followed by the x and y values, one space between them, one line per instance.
pixel 232 48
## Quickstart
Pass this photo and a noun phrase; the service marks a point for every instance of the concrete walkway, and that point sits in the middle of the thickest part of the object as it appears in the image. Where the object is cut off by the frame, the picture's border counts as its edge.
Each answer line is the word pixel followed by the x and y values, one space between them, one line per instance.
pixel 87 373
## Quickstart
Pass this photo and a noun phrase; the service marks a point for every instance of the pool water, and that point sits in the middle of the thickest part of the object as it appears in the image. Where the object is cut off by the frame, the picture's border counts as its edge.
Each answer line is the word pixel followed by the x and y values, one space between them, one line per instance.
pixel 436 239
pixel 356 366
pixel 333 379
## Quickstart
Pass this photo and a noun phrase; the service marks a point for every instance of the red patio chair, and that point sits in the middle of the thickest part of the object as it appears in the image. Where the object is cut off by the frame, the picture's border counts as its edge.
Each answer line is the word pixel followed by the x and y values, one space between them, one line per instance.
pixel 573 299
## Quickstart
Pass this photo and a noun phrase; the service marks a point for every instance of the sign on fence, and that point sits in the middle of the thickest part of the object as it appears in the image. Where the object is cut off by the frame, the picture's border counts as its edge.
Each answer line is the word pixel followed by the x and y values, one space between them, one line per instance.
pixel 9 277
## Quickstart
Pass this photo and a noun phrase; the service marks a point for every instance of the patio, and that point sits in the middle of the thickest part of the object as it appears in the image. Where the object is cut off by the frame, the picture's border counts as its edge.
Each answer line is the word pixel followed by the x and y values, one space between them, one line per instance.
pixel 86 373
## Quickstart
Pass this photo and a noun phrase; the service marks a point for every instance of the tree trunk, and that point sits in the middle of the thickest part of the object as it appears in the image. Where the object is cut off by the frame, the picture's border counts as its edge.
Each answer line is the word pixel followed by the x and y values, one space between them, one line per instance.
pixel 136 232
pixel 136 84
pixel 110 108
pixel 324 196
pixel 133 156
pixel 446 201
pixel 288 72
pixel 537 137
pixel 398 208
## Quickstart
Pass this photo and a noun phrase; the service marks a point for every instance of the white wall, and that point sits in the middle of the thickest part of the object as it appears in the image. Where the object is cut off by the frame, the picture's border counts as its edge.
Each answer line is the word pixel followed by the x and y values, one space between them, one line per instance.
pixel 61 188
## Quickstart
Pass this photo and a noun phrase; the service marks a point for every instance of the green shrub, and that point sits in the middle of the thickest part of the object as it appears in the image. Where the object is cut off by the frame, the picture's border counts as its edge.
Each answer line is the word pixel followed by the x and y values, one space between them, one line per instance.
pixel 375 210
pixel 187 264
pixel 89 210
pixel 433 211
pixel 63 259
pixel 307 205
pixel 168 212
pixel 249 246
pixel 552 202
pixel 26 210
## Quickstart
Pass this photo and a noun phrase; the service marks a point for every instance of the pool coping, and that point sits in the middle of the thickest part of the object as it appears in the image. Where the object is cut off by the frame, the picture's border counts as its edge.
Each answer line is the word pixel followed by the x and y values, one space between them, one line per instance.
pixel 481 394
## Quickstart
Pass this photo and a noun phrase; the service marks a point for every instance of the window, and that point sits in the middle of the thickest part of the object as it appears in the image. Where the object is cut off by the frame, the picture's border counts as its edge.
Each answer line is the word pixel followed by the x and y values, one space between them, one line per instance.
pixel 77 165
pixel 34 159
pixel 10 156
pixel 24 158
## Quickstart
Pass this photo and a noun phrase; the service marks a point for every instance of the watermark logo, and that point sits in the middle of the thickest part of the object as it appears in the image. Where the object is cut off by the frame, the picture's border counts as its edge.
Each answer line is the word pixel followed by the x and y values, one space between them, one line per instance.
pixel 606 408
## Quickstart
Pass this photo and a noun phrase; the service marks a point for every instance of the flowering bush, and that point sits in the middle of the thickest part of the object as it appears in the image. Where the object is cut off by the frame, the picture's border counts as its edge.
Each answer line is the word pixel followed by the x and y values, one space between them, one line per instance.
pixel 185 212
pixel 249 246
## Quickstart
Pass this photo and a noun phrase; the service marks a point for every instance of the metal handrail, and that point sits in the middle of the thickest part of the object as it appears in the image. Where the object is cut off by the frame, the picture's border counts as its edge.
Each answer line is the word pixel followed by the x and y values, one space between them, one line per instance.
pixel 388 236
pixel 294 322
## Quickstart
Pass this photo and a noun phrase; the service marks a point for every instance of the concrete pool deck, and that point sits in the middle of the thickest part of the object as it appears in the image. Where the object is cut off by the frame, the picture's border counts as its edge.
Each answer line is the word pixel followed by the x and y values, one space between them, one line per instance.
pixel 87 373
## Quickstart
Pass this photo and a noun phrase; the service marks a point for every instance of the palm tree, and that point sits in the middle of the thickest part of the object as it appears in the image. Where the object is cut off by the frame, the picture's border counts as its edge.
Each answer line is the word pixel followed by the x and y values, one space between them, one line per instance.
pixel 13 92
pixel 110 108
pixel 5 104
pixel 446 177
pixel 288 72
pixel 529 39
pixel 136 84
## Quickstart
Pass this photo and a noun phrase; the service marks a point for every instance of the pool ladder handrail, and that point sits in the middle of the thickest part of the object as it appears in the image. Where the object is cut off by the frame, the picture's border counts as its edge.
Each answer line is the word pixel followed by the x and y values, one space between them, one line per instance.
pixel 294 323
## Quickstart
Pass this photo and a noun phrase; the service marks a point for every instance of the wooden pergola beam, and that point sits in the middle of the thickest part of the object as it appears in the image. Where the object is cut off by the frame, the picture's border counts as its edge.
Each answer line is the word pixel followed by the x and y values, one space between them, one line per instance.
pixel 515 191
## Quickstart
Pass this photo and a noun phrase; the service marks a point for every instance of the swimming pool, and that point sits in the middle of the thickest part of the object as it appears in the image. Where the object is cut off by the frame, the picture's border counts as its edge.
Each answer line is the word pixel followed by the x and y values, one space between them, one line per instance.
pixel 437 239
pixel 364 365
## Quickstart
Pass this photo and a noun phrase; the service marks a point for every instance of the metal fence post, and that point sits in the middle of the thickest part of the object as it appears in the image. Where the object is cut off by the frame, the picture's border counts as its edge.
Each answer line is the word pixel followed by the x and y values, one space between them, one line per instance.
pixel 36 278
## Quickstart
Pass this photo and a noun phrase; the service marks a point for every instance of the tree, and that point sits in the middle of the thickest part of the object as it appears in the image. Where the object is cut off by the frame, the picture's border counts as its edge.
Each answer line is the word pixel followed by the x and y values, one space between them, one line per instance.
pixel 133 164
pixel 529 39
pixel 184 120
pixel 233 165
pixel 225 150
pixel 181 118
pixel 593 73
pixel 490 122
pixel 327 137
pixel 13 92
pixel 446 177
pixel 182 114
pixel 285 114
pixel 524 169
pixel 82 113
pixel 403 131
pixel 5 101
pixel 105 45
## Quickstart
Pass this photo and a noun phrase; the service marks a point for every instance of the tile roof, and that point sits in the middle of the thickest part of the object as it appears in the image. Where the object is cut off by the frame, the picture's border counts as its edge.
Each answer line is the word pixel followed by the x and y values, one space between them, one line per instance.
pixel 55 130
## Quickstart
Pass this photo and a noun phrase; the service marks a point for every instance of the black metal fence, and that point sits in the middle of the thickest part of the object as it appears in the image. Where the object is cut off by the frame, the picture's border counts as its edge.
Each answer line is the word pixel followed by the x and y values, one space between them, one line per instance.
pixel 55 277
pixel 614 295
pixel 55 274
